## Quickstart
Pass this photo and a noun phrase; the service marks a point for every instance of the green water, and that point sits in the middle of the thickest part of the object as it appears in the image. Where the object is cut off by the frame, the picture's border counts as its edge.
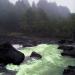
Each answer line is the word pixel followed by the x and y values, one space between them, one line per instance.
pixel 52 63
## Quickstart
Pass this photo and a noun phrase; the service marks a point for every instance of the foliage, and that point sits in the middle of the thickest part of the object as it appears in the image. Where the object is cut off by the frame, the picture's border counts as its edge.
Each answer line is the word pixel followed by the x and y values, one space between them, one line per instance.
pixel 35 21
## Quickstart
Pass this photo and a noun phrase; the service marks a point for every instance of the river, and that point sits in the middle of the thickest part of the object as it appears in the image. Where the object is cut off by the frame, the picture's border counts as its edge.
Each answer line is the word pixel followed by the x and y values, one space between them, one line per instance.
pixel 52 63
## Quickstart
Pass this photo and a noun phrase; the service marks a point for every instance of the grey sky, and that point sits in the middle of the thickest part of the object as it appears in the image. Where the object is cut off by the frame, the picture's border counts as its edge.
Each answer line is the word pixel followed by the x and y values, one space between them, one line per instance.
pixel 69 3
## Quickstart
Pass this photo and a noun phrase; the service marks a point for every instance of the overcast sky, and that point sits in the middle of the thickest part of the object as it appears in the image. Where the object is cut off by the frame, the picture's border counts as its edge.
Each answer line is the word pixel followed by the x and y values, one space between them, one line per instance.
pixel 69 3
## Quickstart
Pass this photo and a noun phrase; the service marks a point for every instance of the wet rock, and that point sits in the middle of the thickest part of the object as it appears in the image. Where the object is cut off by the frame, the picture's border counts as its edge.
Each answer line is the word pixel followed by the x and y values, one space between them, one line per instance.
pixel 62 41
pixel 69 53
pixel 8 54
pixel 63 47
pixel 30 44
pixel 69 71
pixel 27 45
pixel 35 55
pixel 70 41
pixel 71 67
pixel 67 41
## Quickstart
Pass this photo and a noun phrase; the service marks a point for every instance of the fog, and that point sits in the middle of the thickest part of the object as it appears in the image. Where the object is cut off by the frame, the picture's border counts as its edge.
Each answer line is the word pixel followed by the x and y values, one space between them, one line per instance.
pixel 69 3
pixel 46 17
pixel 43 31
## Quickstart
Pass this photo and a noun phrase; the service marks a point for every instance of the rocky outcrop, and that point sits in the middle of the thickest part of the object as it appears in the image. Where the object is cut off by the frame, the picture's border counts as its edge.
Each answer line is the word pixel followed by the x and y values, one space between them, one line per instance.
pixel 35 55
pixel 69 71
pixel 64 47
pixel 9 54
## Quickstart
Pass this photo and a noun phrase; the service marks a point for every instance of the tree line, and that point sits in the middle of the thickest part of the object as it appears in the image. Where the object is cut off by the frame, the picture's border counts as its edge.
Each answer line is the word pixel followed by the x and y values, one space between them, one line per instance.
pixel 44 19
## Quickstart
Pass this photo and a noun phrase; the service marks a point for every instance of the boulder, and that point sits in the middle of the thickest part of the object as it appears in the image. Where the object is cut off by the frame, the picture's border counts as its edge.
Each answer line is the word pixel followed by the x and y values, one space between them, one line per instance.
pixel 62 41
pixel 67 41
pixel 8 54
pixel 69 71
pixel 63 47
pixel 35 55
pixel 69 53
pixel 30 44
pixel 70 41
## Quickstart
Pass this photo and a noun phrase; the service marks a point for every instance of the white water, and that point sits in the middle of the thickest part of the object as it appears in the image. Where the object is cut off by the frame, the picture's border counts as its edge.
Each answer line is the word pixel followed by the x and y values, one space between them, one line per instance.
pixel 52 63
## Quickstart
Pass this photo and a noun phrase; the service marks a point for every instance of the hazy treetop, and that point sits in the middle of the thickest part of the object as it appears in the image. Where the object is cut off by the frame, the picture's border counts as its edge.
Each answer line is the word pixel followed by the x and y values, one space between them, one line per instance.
pixel 69 3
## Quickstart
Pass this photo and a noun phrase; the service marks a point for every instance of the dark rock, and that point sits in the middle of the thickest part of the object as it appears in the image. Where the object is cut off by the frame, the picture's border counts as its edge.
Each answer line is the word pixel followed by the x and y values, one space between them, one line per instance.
pixel 35 55
pixel 30 44
pixel 62 41
pixel 27 45
pixel 67 41
pixel 69 71
pixel 69 53
pixel 71 67
pixel 70 41
pixel 8 54
pixel 66 47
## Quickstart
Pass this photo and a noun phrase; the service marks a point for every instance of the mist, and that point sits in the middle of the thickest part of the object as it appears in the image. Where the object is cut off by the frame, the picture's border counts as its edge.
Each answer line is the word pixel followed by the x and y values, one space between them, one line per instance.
pixel 25 19
pixel 25 12
pixel 40 35
pixel 67 3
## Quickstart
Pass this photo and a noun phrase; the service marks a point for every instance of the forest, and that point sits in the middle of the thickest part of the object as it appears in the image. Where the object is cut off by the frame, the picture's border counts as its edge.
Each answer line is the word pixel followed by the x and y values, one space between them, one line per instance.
pixel 37 39
pixel 43 20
